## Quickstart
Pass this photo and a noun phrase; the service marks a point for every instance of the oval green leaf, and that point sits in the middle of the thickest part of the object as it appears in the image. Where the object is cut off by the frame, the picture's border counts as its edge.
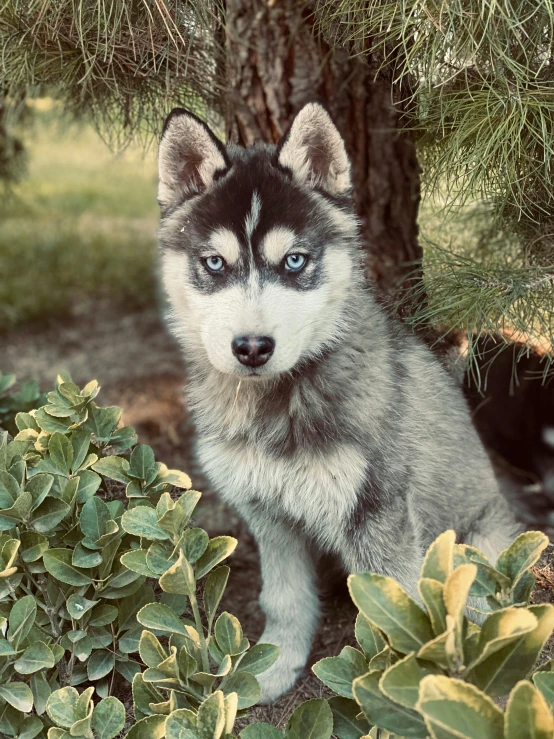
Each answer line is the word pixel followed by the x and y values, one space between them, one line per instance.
pixel 58 563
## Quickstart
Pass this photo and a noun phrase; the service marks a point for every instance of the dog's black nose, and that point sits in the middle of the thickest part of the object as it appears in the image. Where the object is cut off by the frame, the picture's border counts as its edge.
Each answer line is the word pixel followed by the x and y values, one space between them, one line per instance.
pixel 253 351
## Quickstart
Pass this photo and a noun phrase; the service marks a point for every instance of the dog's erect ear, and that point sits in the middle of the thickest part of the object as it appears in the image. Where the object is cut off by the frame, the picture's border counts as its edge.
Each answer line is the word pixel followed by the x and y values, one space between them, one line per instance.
pixel 314 151
pixel 189 157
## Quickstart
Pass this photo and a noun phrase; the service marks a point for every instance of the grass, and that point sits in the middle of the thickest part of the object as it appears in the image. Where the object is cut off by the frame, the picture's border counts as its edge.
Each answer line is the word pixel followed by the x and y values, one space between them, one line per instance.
pixel 78 229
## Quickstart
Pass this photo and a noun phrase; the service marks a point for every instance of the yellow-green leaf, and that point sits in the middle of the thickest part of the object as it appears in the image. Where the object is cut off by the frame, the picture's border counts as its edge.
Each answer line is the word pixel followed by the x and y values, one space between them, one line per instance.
pixel 150 650
pixel 100 663
pixel 383 712
pixel 49 514
pixel 211 717
pixel 160 617
pixel 245 685
pixel 218 549
pixel 182 718
pixel 213 591
pixel 136 560
pixel 338 673
pixel 33 546
pixel 347 723
pixel 498 674
pixel 36 657
pixel 108 718
pixel 437 564
pixel 401 681
pixel 488 579
pixel 59 563
pixel 432 595
pixel 260 731
pixel 179 578
pixel 545 683
pixel 259 659
pixel 455 710
pixel 368 637
pixel 523 553
pixel 528 714
pixel 151 727
pixel 143 521
pixel 61 451
pixel 231 704
pixel 391 609
pixel 228 634
pixel 62 707
pixel 144 694
pixel 456 591
pixel 22 618
pixel 18 695
pixel 435 650
pixel 501 628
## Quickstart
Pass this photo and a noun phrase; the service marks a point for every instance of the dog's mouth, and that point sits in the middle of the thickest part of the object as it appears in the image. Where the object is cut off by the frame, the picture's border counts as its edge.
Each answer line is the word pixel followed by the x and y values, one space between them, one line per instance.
pixel 252 376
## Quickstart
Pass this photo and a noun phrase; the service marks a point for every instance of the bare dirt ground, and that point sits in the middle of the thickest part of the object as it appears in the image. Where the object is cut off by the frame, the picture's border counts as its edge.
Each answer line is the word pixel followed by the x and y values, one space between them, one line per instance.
pixel 139 367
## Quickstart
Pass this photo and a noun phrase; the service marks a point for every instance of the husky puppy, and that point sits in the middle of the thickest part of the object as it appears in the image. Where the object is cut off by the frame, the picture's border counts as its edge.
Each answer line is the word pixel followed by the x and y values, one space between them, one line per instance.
pixel 321 419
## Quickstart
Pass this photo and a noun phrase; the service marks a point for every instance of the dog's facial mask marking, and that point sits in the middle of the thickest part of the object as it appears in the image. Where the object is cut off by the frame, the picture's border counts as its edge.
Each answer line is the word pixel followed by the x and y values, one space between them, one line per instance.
pixel 257 255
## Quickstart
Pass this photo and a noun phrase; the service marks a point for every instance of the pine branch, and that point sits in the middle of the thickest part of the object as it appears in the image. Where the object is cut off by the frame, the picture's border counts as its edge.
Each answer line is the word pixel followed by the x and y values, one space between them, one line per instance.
pixel 121 64
pixel 482 76
pixel 484 296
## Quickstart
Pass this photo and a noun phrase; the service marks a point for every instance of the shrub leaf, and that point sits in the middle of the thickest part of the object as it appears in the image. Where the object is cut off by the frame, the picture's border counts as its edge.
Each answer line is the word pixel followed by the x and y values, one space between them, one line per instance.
pixel 527 714
pixel 455 710
pixel 391 609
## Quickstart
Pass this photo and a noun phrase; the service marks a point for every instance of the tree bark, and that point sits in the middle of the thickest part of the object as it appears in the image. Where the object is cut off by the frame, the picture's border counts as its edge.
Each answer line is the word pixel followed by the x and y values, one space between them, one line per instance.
pixel 274 64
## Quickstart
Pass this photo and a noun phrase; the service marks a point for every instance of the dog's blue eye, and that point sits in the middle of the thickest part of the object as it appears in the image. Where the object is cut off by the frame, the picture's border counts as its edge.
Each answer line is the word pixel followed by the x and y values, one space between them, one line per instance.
pixel 214 264
pixel 295 262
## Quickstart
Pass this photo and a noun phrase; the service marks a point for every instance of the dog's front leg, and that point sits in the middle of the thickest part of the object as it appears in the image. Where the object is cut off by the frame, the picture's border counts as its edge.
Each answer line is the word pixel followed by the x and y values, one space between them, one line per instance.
pixel 289 600
pixel 386 544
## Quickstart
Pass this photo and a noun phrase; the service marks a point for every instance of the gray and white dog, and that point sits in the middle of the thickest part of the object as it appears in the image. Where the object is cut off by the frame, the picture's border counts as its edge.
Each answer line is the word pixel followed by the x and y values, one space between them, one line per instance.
pixel 321 419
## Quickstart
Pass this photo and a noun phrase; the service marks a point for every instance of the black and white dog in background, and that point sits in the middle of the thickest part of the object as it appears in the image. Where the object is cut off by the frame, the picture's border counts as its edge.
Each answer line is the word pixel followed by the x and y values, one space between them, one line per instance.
pixel 326 424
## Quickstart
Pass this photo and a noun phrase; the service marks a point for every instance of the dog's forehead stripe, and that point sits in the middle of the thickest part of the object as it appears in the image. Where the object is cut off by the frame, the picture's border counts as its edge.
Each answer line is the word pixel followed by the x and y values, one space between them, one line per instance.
pixel 276 243
pixel 253 217
pixel 226 244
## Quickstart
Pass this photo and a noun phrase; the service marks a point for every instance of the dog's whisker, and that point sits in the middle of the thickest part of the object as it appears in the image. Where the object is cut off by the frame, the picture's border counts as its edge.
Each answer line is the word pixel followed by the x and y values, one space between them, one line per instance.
pixel 228 418
pixel 315 322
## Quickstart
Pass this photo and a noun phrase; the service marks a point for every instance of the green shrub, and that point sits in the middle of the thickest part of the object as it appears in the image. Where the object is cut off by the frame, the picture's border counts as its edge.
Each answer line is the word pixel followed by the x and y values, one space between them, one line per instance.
pixel 429 671
pixel 418 672
pixel 81 531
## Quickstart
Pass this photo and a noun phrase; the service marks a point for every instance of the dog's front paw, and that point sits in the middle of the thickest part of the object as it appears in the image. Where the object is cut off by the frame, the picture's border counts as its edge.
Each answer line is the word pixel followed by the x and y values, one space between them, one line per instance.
pixel 277 680
pixel 294 653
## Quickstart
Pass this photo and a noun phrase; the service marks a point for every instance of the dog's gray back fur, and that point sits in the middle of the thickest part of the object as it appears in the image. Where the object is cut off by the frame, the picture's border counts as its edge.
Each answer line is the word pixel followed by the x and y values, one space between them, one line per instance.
pixel 364 447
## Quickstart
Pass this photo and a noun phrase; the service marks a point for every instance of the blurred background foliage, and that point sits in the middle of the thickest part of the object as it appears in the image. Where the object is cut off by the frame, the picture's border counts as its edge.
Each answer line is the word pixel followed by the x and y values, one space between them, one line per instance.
pixel 79 229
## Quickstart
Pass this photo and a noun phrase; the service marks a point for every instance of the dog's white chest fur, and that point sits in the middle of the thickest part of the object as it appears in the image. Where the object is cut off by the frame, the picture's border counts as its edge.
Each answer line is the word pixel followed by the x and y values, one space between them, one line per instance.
pixel 306 487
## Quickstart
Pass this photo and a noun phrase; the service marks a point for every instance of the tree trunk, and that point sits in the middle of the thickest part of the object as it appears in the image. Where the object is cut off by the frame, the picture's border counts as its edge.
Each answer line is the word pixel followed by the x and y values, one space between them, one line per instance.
pixel 274 64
